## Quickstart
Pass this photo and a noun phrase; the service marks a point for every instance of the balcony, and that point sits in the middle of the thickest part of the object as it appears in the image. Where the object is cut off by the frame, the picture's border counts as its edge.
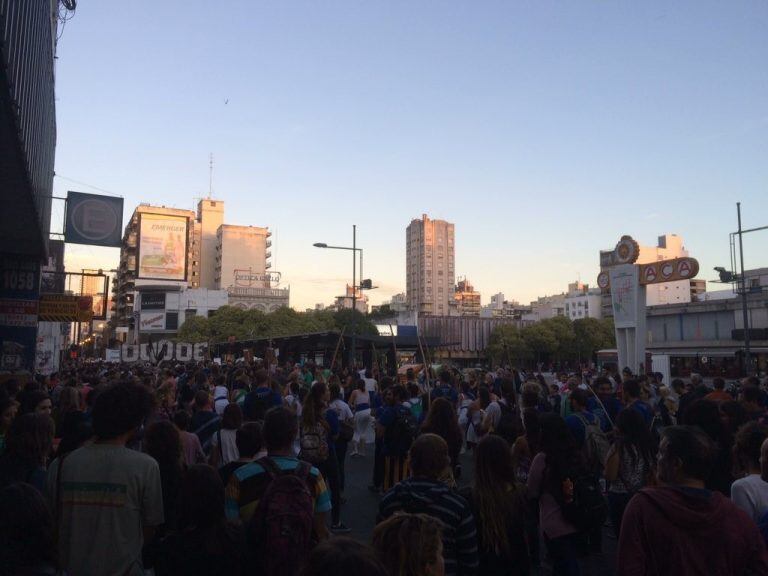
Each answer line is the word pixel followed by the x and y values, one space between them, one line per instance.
pixel 268 255
pixel 269 244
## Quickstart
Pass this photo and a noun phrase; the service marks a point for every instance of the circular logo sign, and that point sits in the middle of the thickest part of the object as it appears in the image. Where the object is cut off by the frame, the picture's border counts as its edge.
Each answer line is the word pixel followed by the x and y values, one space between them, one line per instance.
pixel 649 274
pixel 684 268
pixel 626 251
pixel 667 270
pixel 94 219
pixel 603 280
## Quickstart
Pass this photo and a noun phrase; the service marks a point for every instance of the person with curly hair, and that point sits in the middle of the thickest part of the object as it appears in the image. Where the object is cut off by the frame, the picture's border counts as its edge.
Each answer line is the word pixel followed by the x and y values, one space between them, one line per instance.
pixel 410 545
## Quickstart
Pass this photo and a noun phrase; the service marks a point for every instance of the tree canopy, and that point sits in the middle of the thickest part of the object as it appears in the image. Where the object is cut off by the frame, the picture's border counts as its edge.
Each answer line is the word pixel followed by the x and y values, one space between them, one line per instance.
pixel 557 338
pixel 232 322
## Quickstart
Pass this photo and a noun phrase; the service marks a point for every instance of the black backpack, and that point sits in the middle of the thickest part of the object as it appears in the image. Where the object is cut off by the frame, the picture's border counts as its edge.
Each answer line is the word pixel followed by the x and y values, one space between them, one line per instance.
pixel 509 425
pixel 399 436
pixel 582 502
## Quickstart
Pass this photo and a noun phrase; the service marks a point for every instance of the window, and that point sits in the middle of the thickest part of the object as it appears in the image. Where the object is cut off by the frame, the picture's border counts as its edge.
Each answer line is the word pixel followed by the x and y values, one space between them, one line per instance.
pixel 171 320
pixel 189 313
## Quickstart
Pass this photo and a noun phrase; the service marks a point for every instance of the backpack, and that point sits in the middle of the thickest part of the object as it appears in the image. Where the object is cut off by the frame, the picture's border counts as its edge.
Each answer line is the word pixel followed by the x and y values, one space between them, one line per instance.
pixel 313 443
pixel 280 531
pixel 257 404
pixel 509 425
pixel 399 435
pixel 596 444
pixel 582 502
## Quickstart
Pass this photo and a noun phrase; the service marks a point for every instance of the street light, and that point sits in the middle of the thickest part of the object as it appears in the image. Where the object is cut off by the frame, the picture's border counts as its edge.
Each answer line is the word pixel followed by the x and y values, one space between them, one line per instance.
pixel 354 249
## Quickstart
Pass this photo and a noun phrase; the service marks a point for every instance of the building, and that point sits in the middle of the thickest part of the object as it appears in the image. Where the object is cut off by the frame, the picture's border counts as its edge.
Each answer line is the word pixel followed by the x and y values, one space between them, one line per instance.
pixel 194 249
pixel 177 269
pixel 345 302
pixel 545 307
pixel 668 246
pixel 27 147
pixel 581 301
pixel 430 266
pixel 210 217
pixel 467 298
pixel 164 311
pixel 242 268
pixel 707 336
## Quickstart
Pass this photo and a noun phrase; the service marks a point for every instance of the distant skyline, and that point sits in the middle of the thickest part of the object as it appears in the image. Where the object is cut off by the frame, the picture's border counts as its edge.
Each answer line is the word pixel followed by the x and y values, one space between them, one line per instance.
pixel 544 131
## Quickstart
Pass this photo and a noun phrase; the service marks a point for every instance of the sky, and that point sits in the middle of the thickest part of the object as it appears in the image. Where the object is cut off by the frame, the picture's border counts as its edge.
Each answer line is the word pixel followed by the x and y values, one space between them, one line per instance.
pixel 543 130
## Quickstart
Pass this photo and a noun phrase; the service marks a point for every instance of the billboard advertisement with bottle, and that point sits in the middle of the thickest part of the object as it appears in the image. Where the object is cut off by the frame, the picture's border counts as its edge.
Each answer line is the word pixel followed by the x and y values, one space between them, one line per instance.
pixel 162 247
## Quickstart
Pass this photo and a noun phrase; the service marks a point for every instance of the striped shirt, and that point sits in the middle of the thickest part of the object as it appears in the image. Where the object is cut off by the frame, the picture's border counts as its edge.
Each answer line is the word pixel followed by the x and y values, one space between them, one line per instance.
pixel 420 495
pixel 248 483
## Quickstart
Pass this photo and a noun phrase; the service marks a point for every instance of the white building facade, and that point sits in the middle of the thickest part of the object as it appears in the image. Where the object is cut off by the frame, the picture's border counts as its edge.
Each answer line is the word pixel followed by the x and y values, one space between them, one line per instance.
pixel 581 301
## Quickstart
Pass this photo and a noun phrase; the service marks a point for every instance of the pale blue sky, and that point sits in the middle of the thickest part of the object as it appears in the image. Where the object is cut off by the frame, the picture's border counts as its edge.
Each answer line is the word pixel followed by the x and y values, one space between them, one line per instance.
pixel 543 130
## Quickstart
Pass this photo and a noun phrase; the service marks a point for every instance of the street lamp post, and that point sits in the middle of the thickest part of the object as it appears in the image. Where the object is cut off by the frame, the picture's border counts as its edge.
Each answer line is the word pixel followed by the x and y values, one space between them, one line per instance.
pixel 354 249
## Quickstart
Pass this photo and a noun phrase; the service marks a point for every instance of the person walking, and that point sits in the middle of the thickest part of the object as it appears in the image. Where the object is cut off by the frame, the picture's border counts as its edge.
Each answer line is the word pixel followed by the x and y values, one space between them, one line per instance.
pixel 499 507
pixel 630 463
pixel 106 493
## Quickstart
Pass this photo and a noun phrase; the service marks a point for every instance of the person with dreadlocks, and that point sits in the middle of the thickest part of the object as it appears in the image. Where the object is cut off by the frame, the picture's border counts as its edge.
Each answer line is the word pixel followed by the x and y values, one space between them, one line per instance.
pixel 499 505
pixel 410 545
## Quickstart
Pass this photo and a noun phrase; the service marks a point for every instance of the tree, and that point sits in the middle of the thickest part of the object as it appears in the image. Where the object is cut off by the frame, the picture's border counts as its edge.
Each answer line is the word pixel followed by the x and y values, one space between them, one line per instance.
pixel 507 346
pixel 562 329
pixel 540 339
pixel 592 335
pixel 195 329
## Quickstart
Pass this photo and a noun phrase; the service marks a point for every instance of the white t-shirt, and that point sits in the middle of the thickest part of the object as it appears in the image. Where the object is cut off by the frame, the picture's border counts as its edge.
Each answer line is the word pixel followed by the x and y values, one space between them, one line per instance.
pixel 229 452
pixel 342 409
pixel 109 494
pixel 751 495
pixel 370 384
pixel 220 399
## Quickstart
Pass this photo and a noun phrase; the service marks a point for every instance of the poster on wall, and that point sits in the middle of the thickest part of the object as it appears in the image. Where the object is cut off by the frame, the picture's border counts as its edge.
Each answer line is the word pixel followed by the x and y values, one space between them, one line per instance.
pixel 162 247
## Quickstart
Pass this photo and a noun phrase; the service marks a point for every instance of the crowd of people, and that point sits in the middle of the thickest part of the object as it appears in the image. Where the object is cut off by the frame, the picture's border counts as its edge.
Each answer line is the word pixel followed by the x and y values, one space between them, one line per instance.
pixel 240 469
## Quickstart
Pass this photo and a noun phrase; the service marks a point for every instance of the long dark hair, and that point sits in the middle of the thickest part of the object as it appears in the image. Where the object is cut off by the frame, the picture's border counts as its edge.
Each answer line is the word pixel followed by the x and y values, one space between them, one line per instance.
pixel 637 438
pixel 499 500
pixel 312 408
pixel 564 459
pixel 441 420
pixel 532 428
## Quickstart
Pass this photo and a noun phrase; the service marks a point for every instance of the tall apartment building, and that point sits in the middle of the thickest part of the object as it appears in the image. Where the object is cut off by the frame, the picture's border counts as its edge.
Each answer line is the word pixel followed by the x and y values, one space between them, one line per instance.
pixel 430 270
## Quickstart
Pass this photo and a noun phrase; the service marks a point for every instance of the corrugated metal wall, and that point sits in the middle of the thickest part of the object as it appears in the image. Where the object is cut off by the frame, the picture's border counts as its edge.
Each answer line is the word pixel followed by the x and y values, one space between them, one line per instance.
pixel 463 335
pixel 27 44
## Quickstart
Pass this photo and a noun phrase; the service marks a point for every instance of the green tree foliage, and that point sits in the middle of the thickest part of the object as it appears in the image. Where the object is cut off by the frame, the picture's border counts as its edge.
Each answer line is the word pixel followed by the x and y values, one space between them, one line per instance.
pixel 231 322
pixel 593 335
pixel 507 345
pixel 540 339
pixel 556 338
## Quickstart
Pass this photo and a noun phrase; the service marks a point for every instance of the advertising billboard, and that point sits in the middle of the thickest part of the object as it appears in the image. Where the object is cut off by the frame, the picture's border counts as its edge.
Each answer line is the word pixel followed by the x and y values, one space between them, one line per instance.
pixel 93 219
pixel 162 247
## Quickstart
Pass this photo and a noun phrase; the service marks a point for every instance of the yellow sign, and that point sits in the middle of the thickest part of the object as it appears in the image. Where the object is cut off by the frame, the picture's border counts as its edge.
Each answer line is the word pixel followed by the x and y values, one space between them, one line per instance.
pixel 65 308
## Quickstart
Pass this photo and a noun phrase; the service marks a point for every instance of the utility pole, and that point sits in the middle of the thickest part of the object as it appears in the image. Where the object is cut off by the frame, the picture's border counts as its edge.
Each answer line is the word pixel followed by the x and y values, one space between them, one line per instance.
pixel 354 294
pixel 744 301
pixel 210 176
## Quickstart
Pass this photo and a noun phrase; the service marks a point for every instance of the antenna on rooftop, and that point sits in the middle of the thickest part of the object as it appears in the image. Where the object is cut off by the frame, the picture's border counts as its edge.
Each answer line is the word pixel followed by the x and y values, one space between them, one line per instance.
pixel 210 176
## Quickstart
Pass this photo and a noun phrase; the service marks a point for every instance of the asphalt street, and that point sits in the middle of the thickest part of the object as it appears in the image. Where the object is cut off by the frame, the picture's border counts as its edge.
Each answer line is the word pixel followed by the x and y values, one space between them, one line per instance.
pixel 359 514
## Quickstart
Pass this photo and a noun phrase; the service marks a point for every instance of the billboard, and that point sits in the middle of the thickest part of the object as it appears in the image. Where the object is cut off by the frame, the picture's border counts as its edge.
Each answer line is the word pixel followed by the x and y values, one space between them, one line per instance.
pixel 93 219
pixel 162 247
pixel 151 321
